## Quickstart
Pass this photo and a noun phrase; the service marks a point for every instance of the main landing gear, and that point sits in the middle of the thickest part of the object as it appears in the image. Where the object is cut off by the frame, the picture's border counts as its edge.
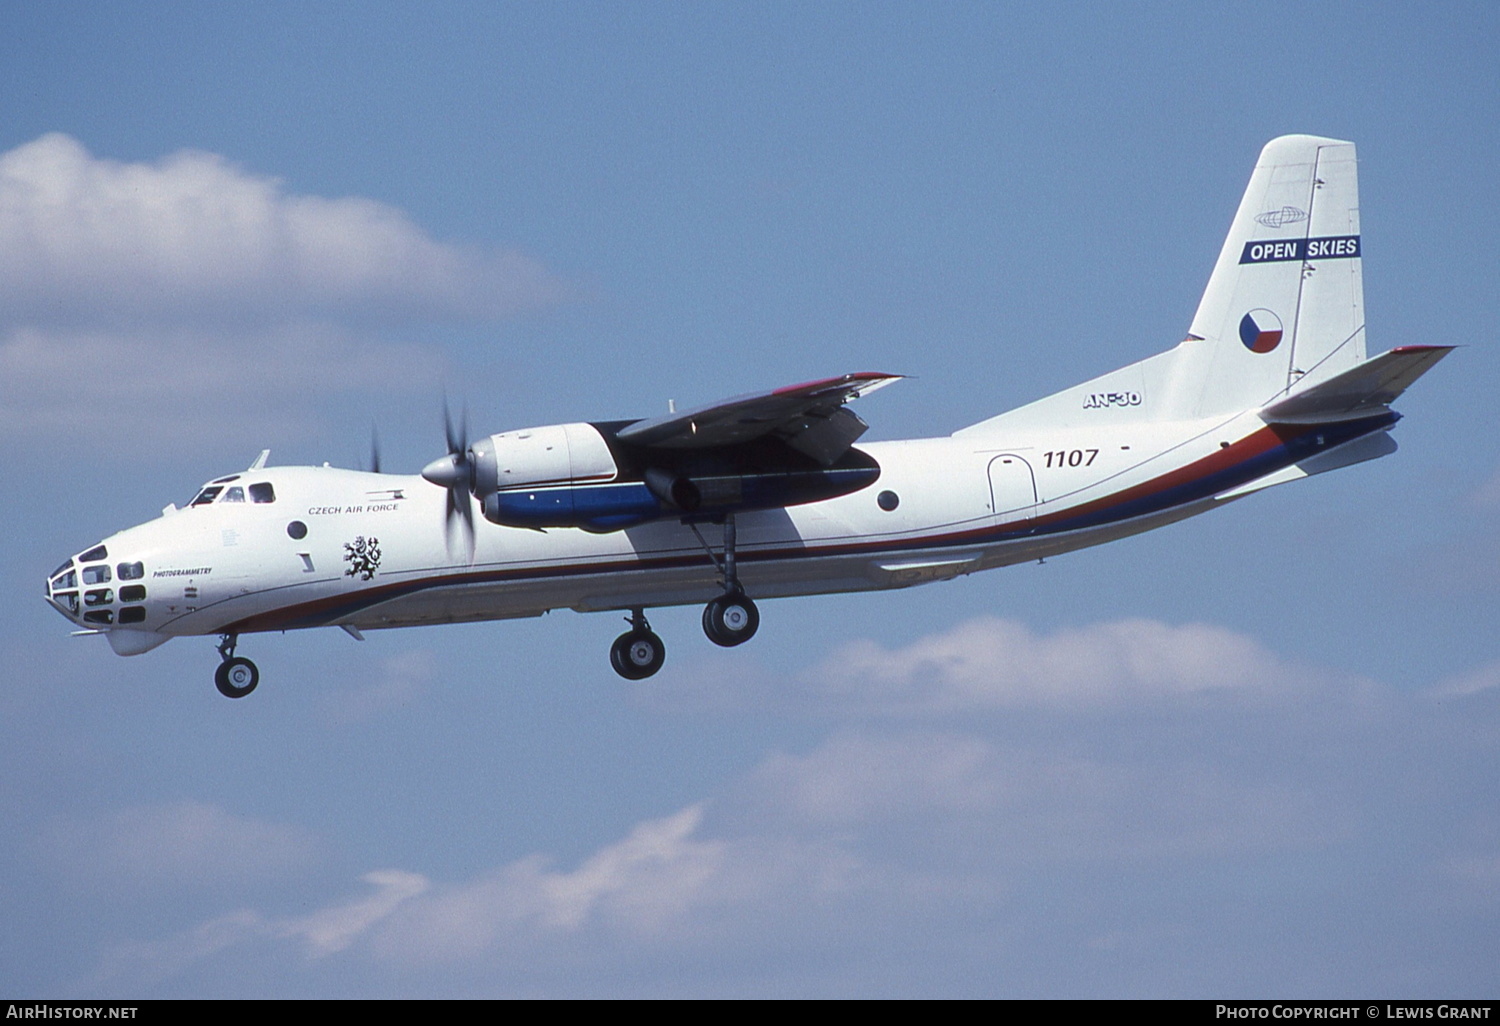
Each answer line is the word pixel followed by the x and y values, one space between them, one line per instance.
pixel 729 620
pixel 236 676
pixel 638 653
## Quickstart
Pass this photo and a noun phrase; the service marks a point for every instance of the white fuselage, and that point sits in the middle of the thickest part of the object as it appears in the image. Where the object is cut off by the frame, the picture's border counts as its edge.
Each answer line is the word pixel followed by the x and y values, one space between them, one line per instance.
pixel 1270 384
pixel 374 553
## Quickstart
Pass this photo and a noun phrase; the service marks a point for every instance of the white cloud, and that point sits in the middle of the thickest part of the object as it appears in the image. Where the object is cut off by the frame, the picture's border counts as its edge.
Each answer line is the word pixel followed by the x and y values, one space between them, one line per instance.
pixel 948 798
pixel 651 876
pixel 666 881
pixel 149 962
pixel 862 829
pixel 180 845
pixel 640 884
pixel 189 302
pixel 334 929
pixel 1086 826
pixel 177 385
pixel 1470 682
pixel 398 682
pixel 193 236
pixel 990 663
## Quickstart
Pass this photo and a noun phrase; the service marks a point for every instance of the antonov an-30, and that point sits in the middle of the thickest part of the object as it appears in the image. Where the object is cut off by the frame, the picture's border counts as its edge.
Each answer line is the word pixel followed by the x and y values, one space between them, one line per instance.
pixel 768 495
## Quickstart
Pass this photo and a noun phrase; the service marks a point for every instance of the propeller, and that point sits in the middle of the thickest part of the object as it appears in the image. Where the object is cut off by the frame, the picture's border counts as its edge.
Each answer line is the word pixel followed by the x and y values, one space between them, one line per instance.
pixel 455 472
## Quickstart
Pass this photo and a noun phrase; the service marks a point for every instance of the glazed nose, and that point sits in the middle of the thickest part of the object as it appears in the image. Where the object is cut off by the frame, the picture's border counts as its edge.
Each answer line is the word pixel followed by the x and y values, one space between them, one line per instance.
pixel 62 590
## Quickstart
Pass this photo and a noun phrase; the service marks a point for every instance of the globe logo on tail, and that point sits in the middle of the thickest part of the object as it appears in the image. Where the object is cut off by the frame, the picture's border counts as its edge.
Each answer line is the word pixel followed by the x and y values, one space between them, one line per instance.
pixel 1281 218
pixel 1260 330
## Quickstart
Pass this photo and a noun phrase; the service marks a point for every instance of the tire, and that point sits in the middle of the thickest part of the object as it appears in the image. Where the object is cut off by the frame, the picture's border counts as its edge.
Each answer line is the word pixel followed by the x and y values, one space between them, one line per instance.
pixel 237 677
pixel 730 620
pixel 636 655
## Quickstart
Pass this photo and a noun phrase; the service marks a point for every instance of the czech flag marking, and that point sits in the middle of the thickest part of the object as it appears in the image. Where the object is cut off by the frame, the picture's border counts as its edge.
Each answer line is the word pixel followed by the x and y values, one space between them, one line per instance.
pixel 1260 330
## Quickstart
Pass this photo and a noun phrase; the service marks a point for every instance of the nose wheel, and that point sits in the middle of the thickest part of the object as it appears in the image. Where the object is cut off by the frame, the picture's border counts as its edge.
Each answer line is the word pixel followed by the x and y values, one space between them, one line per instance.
pixel 236 676
pixel 638 653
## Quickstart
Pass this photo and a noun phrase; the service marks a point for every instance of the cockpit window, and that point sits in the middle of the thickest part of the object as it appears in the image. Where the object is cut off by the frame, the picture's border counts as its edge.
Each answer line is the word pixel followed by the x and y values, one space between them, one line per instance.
pixel 131 571
pixel 61 569
pixel 96 574
pixel 262 492
pixel 235 494
pixel 97 552
pixel 67 580
pixel 208 495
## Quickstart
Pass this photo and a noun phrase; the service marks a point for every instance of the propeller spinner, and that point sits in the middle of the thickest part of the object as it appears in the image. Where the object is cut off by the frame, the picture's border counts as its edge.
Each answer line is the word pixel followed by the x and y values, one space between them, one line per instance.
pixel 455 472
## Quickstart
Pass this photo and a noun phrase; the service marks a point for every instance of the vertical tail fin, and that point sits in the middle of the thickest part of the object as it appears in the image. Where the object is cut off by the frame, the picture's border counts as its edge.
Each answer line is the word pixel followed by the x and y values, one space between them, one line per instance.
pixel 1285 302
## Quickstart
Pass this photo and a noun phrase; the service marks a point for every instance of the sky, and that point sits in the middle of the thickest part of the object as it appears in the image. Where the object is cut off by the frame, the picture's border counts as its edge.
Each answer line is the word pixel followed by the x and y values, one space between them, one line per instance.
pixel 1251 754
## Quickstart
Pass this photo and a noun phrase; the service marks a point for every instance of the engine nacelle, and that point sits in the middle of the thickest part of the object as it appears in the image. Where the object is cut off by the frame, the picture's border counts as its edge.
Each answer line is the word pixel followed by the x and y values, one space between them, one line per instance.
pixel 560 475
pixel 569 475
pixel 556 454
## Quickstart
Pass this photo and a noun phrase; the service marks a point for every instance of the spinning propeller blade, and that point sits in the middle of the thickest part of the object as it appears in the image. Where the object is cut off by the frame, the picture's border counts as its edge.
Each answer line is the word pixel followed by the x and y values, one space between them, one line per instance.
pixel 455 472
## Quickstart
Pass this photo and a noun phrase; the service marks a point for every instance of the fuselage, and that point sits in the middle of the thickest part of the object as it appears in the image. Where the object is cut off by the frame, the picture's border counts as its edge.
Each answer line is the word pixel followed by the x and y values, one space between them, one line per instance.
pixel 291 547
pixel 767 494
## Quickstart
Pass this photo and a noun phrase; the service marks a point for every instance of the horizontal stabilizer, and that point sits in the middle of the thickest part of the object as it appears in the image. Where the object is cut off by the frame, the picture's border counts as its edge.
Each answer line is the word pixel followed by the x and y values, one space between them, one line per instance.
pixel 1369 447
pixel 1359 391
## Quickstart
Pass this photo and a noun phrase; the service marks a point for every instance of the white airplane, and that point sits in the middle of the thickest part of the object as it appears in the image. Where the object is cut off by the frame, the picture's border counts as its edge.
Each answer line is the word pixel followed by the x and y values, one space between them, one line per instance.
pixel 767 495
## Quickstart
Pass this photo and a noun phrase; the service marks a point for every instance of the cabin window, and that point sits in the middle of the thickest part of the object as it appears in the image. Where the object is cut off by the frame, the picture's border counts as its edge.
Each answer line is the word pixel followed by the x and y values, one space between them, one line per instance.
pixel 133 614
pixel 888 500
pixel 208 495
pixel 97 552
pixel 99 597
pixel 131 571
pixel 235 494
pixel 99 616
pixel 96 574
pixel 262 492
pixel 297 530
pixel 133 593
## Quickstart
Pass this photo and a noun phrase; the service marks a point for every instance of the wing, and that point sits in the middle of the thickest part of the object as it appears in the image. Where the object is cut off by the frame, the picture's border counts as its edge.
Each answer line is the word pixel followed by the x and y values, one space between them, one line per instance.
pixel 810 417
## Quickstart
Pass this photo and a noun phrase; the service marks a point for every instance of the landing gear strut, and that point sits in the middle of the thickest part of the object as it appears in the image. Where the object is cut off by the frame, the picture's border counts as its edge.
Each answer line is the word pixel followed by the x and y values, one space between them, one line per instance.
pixel 638 653
pixel 731 619
pixel 236 676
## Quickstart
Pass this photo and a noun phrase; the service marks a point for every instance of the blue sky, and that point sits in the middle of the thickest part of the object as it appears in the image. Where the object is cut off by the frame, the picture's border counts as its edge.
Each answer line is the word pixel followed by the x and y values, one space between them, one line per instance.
pixel 1253 753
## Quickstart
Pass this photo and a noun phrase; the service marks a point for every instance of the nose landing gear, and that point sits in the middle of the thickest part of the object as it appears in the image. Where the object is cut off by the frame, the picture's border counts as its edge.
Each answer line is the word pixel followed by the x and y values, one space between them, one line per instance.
pixel 236 676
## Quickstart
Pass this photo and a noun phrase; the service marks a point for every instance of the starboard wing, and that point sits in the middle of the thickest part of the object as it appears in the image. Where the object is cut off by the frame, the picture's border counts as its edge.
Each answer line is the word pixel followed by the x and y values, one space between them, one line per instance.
pixel 810 417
